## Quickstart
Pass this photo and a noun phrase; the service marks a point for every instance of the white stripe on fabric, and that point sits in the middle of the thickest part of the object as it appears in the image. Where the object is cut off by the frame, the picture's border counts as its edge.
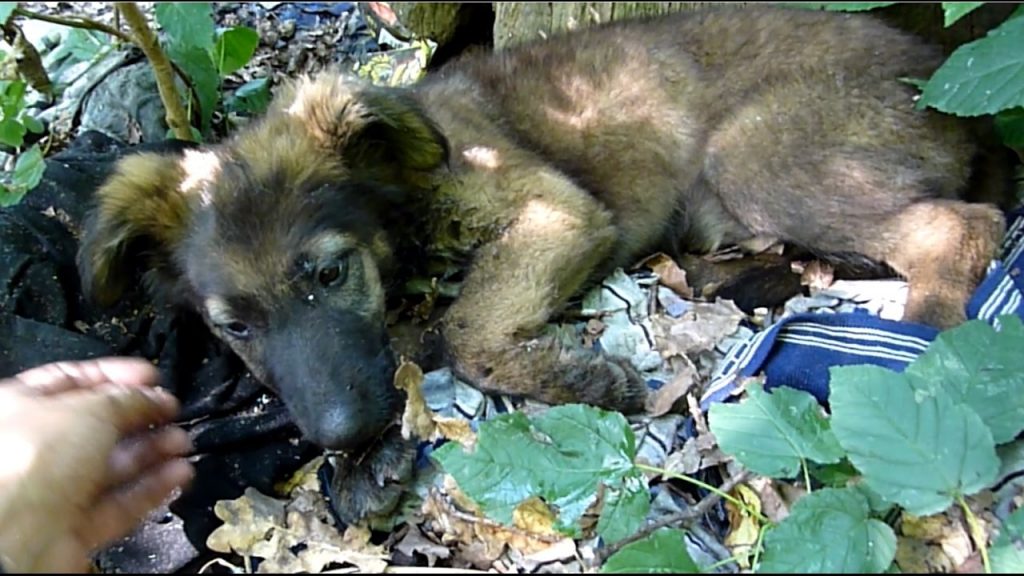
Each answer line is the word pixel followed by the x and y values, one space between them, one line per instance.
pixel 859 350
pixel 998 295
pixel 873 335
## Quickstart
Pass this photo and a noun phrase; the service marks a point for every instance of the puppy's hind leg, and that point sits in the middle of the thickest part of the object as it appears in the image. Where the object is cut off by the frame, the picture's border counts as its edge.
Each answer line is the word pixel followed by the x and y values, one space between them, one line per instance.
pixel 943 248
pixel 517 282
pixel 861 174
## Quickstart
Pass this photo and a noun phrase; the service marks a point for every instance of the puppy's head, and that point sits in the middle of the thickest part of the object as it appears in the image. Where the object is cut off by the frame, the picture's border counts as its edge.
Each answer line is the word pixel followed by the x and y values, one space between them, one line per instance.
pixel 279 238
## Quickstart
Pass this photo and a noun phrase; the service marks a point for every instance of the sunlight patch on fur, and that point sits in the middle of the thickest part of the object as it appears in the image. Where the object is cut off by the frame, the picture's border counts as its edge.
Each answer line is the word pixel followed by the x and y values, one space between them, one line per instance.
pixel 201 168
pixel 542 218
pixel 482 157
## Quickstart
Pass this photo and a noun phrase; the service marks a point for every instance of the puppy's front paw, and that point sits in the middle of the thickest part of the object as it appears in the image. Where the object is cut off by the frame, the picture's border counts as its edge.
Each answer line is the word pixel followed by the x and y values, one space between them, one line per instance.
pixel 372 483
pixel 605 381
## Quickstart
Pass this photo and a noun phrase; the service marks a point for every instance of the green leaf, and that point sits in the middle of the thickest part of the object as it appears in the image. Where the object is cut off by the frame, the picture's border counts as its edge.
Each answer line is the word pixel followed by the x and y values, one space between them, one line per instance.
pixel 771 433
pixel 1010 127
pixel 561 456
pixel 6 9
pixel 1007 553
pixel 838 6
pixel 253 97
pixel 835 475
pixel 29 168
pixel 663 552
pixel 625 508
pixel 829 531
pixel 196 135
pixel 28 171
pixel 981 77
pixel 956 10
pixel 84 45
pixel 979 367
pixel 8 196
pixel 235 46
pixel 187 24
pixel 32 124
pixel 13 101
pixel 877 504
pixel 914 448
pixel 12 132
pixel 200 69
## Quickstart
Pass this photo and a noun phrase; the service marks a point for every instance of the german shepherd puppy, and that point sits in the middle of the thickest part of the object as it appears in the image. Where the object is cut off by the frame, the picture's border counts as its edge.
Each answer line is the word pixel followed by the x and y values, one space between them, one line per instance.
pixel 536 170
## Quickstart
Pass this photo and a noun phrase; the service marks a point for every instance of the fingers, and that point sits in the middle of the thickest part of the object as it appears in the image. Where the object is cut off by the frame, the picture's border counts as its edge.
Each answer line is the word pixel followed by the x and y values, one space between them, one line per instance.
pixel 119 511
pixel 62 376
pixel 135 455
pixel 129 409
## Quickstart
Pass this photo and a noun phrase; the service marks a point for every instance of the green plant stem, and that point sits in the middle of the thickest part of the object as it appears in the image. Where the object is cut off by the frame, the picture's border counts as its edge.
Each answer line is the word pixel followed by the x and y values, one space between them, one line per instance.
pixel 717 491
pixel 976 532
pixel 720 563
pixel 807 475
pixel 74 22
pixel 758 548
pixel 683 517
pixel 177 119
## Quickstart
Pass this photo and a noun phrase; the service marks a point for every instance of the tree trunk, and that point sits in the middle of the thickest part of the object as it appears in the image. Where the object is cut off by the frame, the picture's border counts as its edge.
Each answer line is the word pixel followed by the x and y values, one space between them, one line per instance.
pixel 516 22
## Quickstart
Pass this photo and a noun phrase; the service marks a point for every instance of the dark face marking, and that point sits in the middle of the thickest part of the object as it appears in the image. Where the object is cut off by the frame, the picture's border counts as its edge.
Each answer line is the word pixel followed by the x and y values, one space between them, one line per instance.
pixel 287 274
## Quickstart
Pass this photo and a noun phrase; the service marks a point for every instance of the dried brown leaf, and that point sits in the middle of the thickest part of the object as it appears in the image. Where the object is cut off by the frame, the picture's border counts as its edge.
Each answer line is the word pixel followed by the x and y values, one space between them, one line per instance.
pixel 774 504
pixel 247 521
pixel 660 401
pixel 478 541
pixel 945 534
pixel 915 556
pixel 417 419
pixel 817 276
pixel 456 429
pixel 744 527
pixel 695 455
pixel 309 524
pixel 415 542
pixel 669 274
pixel 559 558
pixel 534 516
pixel 305 478
pixel 698 330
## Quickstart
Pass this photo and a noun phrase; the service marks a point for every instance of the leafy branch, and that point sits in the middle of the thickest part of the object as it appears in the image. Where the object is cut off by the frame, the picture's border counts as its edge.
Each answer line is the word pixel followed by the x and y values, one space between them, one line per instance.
pixel 143 36
pixel 683 518
pixel 920 441
pixel 191 49
pixel 75 22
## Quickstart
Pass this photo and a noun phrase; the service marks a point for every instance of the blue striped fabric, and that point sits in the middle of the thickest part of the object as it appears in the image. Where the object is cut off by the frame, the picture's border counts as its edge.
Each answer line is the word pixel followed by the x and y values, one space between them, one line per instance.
pixel 798 350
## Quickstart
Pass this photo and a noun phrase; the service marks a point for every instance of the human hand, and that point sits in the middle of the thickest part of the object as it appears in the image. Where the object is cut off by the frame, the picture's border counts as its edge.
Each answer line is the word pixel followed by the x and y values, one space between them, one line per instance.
pixel 87 452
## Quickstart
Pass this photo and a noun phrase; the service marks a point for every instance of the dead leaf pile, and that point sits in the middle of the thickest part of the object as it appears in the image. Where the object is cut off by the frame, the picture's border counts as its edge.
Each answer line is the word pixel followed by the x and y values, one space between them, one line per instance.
pixel 292 536
pixel 938 543
pixel 478 542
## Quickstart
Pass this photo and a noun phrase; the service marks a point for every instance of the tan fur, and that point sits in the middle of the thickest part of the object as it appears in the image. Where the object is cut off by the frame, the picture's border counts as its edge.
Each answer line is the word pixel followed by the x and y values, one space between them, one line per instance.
pixel 540 169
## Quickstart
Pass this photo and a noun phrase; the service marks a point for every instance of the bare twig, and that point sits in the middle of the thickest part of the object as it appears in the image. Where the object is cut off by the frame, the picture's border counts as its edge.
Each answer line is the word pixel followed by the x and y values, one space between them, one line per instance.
pixel 117 18
pixel 30 65
pixel 74 22
pixel 684 517
pixel 177 118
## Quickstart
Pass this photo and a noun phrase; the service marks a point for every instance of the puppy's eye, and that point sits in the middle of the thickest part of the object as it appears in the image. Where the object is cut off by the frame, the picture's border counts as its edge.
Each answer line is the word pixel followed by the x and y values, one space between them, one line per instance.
pixel 334 273
pixel 237 329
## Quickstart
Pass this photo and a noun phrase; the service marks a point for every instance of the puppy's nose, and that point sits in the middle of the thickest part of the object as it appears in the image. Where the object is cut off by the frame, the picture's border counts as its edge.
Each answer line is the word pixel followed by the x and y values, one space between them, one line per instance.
pixel 344 429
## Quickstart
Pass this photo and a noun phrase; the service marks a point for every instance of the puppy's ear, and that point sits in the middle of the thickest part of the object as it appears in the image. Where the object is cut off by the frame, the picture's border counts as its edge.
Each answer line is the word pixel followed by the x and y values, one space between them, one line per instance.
pixel 370 126
pixel 141 208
